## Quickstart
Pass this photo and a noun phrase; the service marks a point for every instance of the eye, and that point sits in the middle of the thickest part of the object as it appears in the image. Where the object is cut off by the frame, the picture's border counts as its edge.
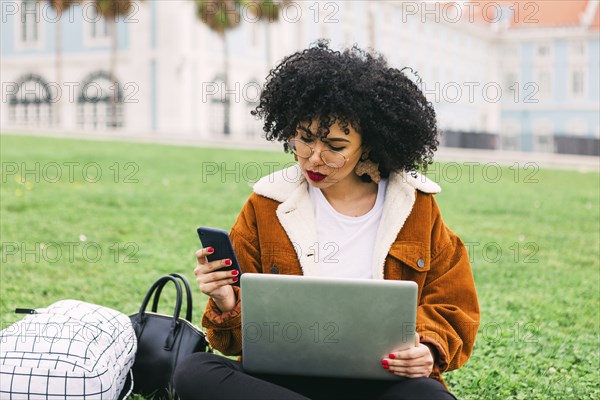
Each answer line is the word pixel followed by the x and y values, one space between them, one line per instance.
pixel 332 147
pixel 305 139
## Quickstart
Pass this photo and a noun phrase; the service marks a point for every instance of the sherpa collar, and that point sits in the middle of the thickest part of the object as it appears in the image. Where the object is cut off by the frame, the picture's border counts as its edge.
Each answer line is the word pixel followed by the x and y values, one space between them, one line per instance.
pixel 289 187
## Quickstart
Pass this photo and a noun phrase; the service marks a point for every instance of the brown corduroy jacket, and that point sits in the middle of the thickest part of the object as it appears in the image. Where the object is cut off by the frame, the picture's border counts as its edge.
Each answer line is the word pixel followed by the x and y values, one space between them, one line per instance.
pixel 276 228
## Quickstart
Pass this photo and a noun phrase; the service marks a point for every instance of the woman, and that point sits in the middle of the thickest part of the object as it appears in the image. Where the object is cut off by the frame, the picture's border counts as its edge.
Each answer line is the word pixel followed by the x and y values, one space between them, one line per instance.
pixel 357 129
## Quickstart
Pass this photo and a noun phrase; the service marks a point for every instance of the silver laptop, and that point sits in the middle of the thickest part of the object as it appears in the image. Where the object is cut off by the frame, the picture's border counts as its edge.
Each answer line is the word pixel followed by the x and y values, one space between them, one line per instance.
pixel 330 327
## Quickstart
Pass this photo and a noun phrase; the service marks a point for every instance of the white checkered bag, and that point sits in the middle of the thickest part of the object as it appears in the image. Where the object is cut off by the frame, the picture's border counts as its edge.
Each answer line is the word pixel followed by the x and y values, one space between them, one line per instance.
pixel 69 350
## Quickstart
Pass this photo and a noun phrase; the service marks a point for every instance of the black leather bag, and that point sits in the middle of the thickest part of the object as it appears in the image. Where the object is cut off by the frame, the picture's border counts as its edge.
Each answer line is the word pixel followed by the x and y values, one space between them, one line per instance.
pixel 163 341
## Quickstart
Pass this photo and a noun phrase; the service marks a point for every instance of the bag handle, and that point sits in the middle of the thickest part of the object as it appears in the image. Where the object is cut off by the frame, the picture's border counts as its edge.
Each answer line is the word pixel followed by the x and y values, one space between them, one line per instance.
pixel 188 295
pixel 157 286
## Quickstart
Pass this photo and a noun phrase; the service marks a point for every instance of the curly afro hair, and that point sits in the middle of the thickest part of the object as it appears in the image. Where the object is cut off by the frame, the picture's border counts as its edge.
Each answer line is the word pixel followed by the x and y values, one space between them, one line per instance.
pixel 382 104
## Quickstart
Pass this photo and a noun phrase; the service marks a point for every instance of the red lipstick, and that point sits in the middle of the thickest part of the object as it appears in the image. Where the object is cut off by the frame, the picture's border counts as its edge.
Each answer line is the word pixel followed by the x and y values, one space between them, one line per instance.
pixel 315 176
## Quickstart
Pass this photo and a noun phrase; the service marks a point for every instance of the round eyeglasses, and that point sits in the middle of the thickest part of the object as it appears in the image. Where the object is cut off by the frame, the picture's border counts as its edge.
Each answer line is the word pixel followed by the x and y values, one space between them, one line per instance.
pixel 331 158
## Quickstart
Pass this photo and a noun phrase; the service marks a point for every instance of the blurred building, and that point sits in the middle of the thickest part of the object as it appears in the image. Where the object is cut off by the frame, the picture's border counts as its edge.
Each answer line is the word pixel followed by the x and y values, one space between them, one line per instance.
pixel 514 75
pixel 550 67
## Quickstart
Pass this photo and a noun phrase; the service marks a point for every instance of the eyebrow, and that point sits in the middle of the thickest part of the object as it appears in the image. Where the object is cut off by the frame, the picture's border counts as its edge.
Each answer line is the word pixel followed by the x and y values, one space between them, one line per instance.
pixel 337 140
pixel 326 139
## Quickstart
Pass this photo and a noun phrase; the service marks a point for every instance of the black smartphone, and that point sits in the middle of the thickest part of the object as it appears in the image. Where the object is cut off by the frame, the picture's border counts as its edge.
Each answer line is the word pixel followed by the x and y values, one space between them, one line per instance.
pixel 219 240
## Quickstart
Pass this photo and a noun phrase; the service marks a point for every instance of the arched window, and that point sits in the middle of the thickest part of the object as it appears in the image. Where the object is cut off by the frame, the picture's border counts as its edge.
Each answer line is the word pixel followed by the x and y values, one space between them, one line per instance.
pixel 31 103
pixel 95 106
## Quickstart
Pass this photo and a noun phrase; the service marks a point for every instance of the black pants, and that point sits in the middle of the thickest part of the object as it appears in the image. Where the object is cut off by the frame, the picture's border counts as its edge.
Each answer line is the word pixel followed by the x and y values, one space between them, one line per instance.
pixel 209 376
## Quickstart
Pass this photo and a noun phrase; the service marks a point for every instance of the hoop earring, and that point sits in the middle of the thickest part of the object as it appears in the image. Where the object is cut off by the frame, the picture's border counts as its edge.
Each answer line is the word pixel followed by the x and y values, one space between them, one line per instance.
pixel 366 166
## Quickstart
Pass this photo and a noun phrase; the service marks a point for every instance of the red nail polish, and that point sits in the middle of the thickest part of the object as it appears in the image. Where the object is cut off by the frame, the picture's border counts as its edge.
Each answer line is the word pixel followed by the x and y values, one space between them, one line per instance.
pixel 392 356
pixel 234 279
pixel 228 262
pixel 234 272
pixel 210 250
pixel 384 362
pixel 386 366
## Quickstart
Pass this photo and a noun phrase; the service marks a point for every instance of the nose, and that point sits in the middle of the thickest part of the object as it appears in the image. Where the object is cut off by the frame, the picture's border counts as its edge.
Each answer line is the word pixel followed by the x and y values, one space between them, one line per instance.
pixel 315 158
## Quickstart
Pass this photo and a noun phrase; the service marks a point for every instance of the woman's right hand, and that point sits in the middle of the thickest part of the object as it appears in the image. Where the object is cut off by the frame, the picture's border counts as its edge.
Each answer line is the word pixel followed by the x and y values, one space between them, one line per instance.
pixel 213 283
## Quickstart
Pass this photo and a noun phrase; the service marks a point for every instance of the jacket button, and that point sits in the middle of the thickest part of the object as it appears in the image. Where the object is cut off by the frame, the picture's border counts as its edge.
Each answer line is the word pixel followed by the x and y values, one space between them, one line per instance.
pixel 274 270
pixel 420 263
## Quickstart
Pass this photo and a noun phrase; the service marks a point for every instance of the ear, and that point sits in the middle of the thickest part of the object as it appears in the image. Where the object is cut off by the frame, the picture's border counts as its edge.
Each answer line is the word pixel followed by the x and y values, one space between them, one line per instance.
pixel 365 152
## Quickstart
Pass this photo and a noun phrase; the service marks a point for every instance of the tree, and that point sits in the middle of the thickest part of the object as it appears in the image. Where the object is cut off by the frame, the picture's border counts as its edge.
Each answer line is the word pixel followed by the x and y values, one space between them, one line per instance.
pixel 111 10
pixel 224 15
pixel 58 6
pixel 267 10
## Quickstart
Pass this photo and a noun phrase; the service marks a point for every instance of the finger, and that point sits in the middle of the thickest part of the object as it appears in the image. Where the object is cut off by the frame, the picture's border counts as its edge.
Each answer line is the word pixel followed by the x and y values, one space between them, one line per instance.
pixel 217 276
pixel 211 282
pixel 397 354
pixel 421 364
pixel 407 370
pixel 209 288
pixel 408 354
pixel 417 362
pixel 412 373
pixel 202 253
pixel 411 368
pixel 212 266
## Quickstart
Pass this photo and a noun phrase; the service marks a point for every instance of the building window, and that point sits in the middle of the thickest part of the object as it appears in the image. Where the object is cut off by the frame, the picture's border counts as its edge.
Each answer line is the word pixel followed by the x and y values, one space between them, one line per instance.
pixel 509 139
pixel 510 142
pixel 543 50
pixel 97 105
pixel 31 104
pixel 510 78
pixel 577 83
pixel 29 21
pixel 543 144
pixel 29 26
pixel 97 28
pixel 543 140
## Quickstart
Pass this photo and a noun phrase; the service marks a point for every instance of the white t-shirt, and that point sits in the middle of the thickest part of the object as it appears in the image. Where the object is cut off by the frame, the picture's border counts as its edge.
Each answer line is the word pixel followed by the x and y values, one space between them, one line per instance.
pixel 345 244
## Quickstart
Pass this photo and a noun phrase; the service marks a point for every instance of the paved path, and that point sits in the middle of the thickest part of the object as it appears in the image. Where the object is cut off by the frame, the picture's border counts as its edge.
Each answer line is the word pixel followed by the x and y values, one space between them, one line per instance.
pixel 543 160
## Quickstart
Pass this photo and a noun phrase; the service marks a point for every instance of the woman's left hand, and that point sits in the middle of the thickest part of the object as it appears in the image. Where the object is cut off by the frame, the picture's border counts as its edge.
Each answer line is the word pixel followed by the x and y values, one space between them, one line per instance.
pixel 415 362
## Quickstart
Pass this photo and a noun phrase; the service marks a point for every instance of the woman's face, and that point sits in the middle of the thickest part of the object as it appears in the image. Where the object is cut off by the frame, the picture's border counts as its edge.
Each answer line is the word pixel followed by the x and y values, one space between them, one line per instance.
pixel 316 171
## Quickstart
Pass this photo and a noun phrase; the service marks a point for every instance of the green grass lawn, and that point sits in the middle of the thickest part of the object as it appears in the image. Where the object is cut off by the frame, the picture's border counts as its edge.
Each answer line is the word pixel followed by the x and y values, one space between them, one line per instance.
pixel 100 221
